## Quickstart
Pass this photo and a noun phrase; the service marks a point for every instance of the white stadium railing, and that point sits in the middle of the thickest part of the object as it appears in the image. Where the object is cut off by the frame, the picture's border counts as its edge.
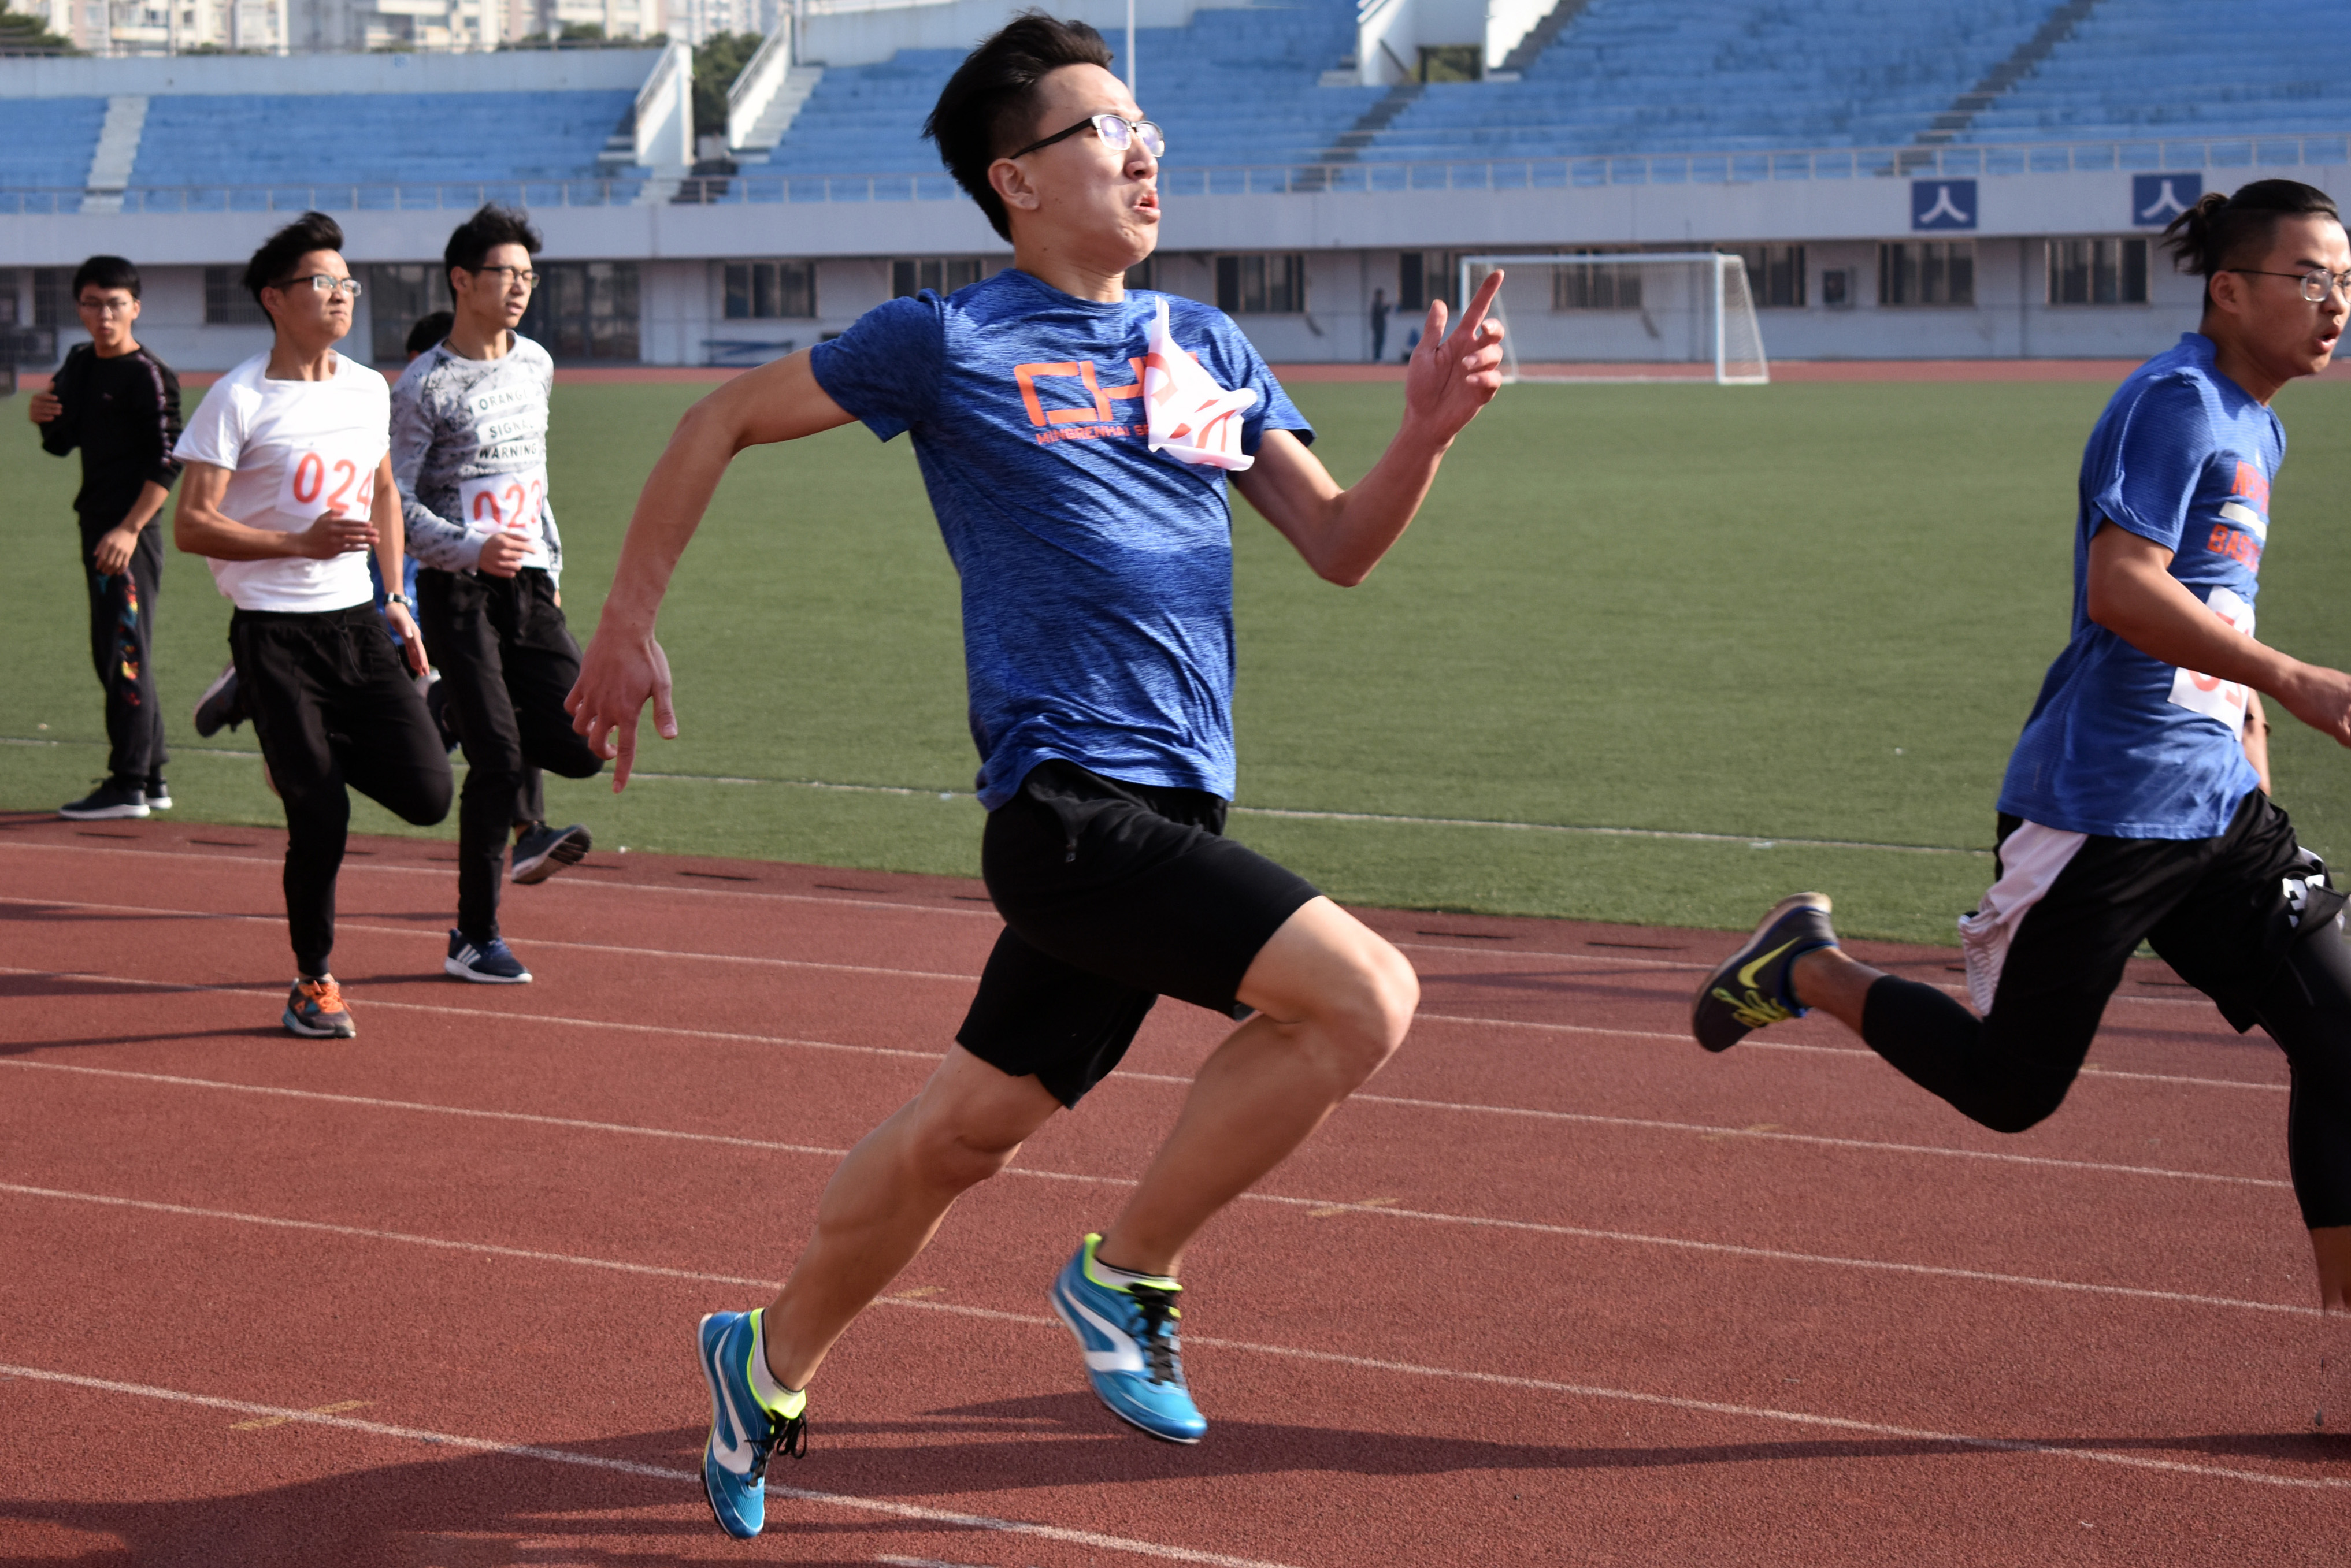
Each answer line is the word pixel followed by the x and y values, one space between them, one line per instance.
pixel 1298 178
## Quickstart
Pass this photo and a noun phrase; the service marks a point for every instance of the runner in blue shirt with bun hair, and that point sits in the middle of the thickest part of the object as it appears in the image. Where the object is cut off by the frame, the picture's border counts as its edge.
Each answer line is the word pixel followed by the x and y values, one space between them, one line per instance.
pixel 2136 802
pixel 1075 437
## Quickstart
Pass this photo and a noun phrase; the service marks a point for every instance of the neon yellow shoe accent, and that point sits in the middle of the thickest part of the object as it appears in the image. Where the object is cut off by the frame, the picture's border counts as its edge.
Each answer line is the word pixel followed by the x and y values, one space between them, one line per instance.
pixel 1746 972
pixel 1158 1281
pixel 795 1400
pixel 1756 1010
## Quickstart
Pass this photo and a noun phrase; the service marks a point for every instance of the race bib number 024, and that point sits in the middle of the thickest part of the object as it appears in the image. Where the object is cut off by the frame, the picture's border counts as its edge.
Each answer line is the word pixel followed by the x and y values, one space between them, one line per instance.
pixel 510 502
pixel 342 483
pixel 2208 694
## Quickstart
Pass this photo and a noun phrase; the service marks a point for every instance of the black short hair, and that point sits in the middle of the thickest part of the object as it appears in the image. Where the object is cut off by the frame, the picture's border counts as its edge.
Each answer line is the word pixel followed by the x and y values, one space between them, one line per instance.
pixel 2218 232
pixel 491 226
pixel 311 231
pixel 989 105
pixel 429 329
pixel 106 272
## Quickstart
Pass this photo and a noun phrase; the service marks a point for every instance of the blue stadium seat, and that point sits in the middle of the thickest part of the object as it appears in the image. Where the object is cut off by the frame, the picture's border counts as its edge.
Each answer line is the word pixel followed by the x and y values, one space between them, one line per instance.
pixel 46 142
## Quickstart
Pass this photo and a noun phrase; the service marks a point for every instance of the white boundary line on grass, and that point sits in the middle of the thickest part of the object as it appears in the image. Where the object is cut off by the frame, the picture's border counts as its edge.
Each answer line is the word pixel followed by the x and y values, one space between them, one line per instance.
pixel 1317 1207
pixel 1752 840
pixel 933 1516
pixel 1293 1352
pixel 1586 1118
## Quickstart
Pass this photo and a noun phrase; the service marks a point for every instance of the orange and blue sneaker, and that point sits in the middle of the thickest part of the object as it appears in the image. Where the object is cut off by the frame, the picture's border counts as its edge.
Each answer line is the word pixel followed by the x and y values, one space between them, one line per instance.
pixel 744 1429
pixel 1127 1331
pixel 1751 988
pixel 315 1010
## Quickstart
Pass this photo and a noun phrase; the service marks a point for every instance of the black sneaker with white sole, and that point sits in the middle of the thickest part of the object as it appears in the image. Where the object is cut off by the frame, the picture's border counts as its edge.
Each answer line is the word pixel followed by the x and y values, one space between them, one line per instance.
pixel 542 851
pixel 110 800
pixel 221 707
pixel 1751 990
pixel 159 794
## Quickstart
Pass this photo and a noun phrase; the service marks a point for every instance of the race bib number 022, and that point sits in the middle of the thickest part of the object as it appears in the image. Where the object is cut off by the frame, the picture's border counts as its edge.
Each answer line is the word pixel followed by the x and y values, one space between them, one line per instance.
pixel 510 502
pixel 342 483
pixel 2209 694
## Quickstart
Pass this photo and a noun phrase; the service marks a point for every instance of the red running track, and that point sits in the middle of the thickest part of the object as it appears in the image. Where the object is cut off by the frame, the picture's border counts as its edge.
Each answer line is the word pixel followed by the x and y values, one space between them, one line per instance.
pixel 1557 1287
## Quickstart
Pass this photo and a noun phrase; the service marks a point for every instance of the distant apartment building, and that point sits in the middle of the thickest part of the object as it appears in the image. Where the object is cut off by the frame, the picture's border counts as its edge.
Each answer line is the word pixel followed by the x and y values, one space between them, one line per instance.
pixel 305 26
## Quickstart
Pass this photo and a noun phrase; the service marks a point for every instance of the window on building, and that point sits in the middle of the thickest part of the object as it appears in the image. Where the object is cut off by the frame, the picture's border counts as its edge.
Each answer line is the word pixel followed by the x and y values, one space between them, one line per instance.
pixel 767 290
pixel 1927 272
pixel 225 302
pixel 2097 272
pixel 585 310
pixel 1261 284
pixel 940 275
pixel 1775 274
pixel 1596 285
pixel 52 304
pixel 398 296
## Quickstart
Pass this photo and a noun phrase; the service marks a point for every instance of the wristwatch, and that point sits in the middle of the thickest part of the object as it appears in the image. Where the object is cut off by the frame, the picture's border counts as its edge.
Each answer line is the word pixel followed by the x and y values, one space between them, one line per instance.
pixel 402 600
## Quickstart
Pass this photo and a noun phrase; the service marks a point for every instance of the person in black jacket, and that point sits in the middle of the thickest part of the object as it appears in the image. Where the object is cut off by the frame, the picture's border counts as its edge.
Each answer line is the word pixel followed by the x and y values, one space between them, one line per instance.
pixel 120 405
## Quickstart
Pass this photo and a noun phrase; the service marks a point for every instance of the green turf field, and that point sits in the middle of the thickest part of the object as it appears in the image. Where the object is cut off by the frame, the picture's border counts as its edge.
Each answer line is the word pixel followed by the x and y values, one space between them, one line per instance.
pixel 1801 612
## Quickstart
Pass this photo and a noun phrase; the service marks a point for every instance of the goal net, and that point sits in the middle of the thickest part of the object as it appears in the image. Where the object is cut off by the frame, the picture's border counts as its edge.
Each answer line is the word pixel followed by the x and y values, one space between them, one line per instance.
pixel 1625 316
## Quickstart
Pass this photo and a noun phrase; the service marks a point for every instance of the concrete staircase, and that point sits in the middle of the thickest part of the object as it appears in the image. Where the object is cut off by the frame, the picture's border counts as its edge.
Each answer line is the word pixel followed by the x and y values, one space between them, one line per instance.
pixel 116 151
pixel 776 120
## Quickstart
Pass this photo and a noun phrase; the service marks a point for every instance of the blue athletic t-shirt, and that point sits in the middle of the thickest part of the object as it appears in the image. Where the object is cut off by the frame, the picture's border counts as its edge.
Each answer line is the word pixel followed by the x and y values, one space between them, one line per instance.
pixel 2121 743
pixel 1097 575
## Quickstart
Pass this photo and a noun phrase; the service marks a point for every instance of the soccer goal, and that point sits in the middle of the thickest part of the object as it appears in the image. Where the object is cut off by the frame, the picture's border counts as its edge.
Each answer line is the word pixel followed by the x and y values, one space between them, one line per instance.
pixel 1684 316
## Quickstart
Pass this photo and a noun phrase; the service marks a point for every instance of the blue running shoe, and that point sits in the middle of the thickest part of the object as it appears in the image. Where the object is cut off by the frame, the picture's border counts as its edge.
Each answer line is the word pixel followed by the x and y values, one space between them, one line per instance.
pixel 744 1433
pixel 490 964
pixel 1128 1334
pixel 1750 989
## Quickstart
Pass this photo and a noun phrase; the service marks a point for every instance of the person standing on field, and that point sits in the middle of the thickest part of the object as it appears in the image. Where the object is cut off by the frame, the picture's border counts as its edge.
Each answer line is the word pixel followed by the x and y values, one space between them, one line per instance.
pixel 120 405
pixel 288 484
pixel 469 453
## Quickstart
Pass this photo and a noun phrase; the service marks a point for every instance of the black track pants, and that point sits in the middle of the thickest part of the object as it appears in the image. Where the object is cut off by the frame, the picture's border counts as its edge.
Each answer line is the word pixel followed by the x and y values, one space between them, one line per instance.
pixel 121 645
pixel 2231 915
pixel 335 711
pixel 507 661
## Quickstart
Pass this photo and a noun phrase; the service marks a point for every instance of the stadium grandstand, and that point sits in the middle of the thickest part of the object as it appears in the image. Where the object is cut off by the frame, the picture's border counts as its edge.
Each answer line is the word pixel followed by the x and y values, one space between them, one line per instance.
pixel 1975 179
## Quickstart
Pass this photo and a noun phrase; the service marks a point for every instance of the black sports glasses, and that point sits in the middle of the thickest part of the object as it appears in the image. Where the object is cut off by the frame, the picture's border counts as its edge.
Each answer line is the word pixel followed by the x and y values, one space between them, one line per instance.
pixel 1117 132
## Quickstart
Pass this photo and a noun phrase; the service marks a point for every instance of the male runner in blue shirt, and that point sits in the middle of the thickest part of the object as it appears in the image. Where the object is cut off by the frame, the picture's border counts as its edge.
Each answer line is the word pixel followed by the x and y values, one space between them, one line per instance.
pixel 2132 810
pixel 1093 533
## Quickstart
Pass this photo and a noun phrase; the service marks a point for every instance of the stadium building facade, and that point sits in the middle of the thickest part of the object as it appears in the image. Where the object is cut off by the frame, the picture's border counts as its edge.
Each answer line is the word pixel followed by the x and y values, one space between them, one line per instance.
pixel 1980 180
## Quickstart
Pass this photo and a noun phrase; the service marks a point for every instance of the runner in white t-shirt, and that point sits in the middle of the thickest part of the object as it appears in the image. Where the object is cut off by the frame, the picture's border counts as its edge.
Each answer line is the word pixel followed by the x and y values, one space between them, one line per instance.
pixel 288 486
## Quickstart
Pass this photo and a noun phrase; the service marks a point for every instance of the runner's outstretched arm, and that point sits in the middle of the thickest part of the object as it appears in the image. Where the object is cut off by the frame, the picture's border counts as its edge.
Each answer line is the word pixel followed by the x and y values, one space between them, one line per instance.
pixel 624 666
pixel 2132 596
pixel 1342 534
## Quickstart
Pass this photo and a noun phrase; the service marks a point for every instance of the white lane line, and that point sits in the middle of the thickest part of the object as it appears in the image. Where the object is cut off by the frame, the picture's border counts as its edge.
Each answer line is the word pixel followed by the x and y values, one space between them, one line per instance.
pixel 1319 1207
pixel 1293 1352
pixel 930 1516
pixel 436 937
pixel 1583 1118
pixel 1751 1044
pixel 892 906
pixel 600 885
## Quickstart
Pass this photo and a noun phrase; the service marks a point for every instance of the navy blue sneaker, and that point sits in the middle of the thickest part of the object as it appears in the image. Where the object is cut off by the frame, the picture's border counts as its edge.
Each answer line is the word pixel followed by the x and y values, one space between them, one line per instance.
pixel 490 964
pixel 744 1432
pixel 221 707
pixel 1128 1335
pixel 1750 990
pixel 541 851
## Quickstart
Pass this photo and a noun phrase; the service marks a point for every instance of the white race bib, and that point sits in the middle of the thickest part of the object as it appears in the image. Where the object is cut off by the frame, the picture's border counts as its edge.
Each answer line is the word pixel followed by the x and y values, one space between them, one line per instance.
pixel 2210 695
pixel 329 479
pixel 507 503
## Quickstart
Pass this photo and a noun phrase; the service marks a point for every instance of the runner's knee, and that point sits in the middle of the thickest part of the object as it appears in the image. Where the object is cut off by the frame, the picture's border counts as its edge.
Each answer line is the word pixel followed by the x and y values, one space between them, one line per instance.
pixel 1367 1015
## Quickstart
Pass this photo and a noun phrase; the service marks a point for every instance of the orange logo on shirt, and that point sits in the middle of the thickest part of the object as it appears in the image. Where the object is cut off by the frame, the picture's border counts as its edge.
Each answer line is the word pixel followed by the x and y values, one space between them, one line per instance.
pixel 2253 486
pixel 1095 411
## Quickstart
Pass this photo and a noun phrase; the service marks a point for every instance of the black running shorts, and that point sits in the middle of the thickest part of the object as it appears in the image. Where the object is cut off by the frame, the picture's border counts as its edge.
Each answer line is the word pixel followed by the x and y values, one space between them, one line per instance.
pixel 1113 895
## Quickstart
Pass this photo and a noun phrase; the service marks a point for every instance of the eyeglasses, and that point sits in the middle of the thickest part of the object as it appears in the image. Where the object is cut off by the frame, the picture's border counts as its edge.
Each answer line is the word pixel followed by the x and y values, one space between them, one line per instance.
pixel 325 283
pixel 107 307
pixel 514 274
pixel 2316 284
pixel 1117 132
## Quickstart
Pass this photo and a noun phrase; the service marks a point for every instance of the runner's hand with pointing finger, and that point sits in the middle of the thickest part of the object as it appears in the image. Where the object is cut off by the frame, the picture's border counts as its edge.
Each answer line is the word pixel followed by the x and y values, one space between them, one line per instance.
pixel 621 670
pixel 1451 378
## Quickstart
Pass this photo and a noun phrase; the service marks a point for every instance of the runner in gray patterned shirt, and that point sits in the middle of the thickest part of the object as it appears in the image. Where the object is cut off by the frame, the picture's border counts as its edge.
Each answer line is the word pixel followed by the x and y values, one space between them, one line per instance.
pixel 469 453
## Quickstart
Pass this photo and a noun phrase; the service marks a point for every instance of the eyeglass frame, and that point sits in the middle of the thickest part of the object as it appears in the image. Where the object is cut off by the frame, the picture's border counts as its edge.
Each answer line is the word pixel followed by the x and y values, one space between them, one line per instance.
pixel 1134 129
pixel 122 306
pixel 323 283
pixel 2334 280
pixel 515 274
